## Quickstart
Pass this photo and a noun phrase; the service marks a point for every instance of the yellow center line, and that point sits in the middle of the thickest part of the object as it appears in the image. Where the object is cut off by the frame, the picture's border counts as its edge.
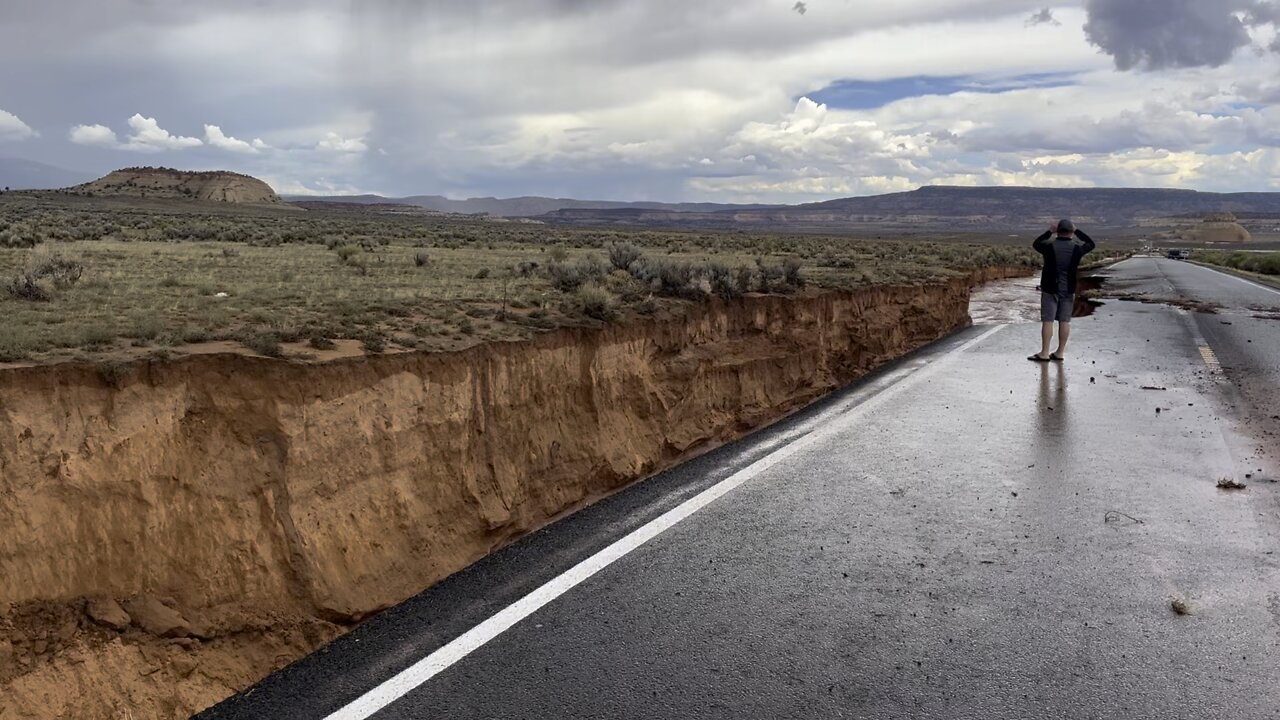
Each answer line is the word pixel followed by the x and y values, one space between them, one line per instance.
pixel 1210 359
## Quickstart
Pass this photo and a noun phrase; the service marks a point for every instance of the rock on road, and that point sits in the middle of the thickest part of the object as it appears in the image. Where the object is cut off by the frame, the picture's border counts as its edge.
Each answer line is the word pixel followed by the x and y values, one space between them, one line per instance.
pixel 964 534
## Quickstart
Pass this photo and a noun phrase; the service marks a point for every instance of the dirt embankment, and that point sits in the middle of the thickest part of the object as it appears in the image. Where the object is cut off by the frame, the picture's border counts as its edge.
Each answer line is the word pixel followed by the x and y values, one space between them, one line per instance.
pixel 171 534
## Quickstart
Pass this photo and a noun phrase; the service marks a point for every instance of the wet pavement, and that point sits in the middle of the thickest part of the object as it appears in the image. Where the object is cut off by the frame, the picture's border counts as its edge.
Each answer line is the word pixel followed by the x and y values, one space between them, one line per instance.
pixel 965 534
pixel 1243 336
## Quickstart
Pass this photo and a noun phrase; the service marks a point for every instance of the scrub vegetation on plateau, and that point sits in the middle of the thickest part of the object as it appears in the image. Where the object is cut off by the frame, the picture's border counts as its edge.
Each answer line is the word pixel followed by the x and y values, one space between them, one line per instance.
pixel 83 278
pixel 1262 263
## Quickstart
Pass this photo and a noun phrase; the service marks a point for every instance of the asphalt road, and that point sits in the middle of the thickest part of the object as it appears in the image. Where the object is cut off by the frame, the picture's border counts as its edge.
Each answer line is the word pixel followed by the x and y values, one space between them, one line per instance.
pixel 1244 333
pixel 963 535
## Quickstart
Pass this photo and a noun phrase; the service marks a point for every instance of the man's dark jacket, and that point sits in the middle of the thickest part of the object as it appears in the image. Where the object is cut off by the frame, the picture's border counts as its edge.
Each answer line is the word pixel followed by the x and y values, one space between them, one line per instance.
pixel 1049 276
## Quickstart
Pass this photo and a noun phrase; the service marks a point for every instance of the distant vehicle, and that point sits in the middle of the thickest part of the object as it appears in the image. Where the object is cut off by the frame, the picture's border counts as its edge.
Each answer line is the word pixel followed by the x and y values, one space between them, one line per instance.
pixel 1178 254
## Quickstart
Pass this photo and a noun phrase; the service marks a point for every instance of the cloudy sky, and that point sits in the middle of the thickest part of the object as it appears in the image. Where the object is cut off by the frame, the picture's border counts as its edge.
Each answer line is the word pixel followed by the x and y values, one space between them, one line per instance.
pixel 719 100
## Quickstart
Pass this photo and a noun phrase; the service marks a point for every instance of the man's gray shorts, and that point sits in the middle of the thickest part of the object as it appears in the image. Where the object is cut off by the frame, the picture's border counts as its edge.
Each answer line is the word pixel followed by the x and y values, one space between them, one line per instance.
pixel 1057 308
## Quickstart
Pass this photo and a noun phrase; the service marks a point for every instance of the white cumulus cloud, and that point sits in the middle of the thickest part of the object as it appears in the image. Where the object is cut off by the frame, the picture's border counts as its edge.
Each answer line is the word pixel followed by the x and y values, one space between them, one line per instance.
pixel 12 128
pixel 214 137
pixel 147 136
pixel 333 142
pixel 99 135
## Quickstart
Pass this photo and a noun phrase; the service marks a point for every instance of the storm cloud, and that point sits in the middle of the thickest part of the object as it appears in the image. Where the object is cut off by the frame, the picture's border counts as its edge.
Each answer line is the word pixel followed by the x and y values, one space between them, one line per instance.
pixel 1158 34
pixel 1045 16
pixel 727 100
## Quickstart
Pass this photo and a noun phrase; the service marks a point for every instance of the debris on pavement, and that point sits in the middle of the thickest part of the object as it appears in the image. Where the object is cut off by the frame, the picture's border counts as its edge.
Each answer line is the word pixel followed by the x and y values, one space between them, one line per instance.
pixel 1230 484
pixel 1180 606
pixel 1115 516
pixel 1153 387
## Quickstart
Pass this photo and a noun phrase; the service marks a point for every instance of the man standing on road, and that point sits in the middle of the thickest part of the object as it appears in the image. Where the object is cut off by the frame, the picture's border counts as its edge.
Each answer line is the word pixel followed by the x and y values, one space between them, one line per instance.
pixel 1058 284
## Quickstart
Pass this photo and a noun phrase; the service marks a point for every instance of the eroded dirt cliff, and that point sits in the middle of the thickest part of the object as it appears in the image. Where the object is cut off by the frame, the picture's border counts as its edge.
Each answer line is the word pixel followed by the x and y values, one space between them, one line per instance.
pixel 171 534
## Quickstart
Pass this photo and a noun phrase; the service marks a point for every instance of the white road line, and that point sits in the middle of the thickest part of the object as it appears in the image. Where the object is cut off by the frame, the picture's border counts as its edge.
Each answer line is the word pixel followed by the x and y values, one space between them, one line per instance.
pixel 1251 283
pixel 420 672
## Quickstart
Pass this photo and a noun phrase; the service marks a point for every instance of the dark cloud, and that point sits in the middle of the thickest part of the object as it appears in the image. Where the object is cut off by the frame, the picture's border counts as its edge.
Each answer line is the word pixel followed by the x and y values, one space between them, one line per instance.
pixel 1156 34
pixel 1044 17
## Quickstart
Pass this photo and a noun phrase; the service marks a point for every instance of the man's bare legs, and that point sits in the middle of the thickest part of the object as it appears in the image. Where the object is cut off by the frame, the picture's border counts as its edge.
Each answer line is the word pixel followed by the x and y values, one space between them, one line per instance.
pixel 1064 332
pixel 1046 339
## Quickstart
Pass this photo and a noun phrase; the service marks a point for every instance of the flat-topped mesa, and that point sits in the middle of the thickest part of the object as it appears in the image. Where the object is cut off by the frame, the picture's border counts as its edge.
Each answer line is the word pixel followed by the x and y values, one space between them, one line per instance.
pixel 167 183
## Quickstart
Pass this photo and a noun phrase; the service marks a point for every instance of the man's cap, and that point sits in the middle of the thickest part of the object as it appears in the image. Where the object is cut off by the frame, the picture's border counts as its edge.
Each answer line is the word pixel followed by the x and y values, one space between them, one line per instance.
pixel 1066 226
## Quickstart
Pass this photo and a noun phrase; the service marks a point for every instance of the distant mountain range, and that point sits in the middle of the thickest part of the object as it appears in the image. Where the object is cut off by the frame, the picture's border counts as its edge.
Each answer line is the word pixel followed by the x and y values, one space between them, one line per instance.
pixel 933 206
pixel 960 208
pixel 519 206
pixel 19 174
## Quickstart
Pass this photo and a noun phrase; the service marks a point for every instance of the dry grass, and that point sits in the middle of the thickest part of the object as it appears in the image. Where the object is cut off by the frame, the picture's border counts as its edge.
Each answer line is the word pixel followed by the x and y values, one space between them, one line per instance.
pixel 165 275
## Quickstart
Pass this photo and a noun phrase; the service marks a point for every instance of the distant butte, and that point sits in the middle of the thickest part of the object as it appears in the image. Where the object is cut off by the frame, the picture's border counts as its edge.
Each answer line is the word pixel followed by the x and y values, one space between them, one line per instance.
pixel 166 183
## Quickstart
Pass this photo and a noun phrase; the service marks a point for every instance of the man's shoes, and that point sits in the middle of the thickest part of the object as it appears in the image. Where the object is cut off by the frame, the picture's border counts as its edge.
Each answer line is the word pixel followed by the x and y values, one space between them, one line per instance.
pixel 1037 358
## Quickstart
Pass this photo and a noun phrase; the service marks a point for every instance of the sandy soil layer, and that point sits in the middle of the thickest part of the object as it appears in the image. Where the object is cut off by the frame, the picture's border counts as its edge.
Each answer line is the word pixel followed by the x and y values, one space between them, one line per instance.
pixel 172 533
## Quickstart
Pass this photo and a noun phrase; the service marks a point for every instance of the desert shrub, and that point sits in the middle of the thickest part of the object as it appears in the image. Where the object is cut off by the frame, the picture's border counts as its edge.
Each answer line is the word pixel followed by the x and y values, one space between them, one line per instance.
pixel 482 273
pixel 263 343
pixel 19 235
pixel 526 269
pixel 594 302
pixel 230 252
pixel 346 252
pixel 44 272
pixel 147 328
pixel 358 264
pixel 13 350
pixel 26 287
pixel 559 253
pixel 568 277
pixel 770 276
pixel 422 259
pixel 61 271
pixel 791 273
pixel 841 262
pixel 721 280
pixel 320 342
pixel 622 255
pixel 96 336
pixel 1268 264
pixel 1264 263
pixel 746 278
pixel 373 342
pixel 666 276
pixel 194 335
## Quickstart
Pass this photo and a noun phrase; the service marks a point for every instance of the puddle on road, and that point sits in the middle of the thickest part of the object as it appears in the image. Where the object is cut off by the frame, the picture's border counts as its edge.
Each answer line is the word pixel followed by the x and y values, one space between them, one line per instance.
pixel 1018 300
